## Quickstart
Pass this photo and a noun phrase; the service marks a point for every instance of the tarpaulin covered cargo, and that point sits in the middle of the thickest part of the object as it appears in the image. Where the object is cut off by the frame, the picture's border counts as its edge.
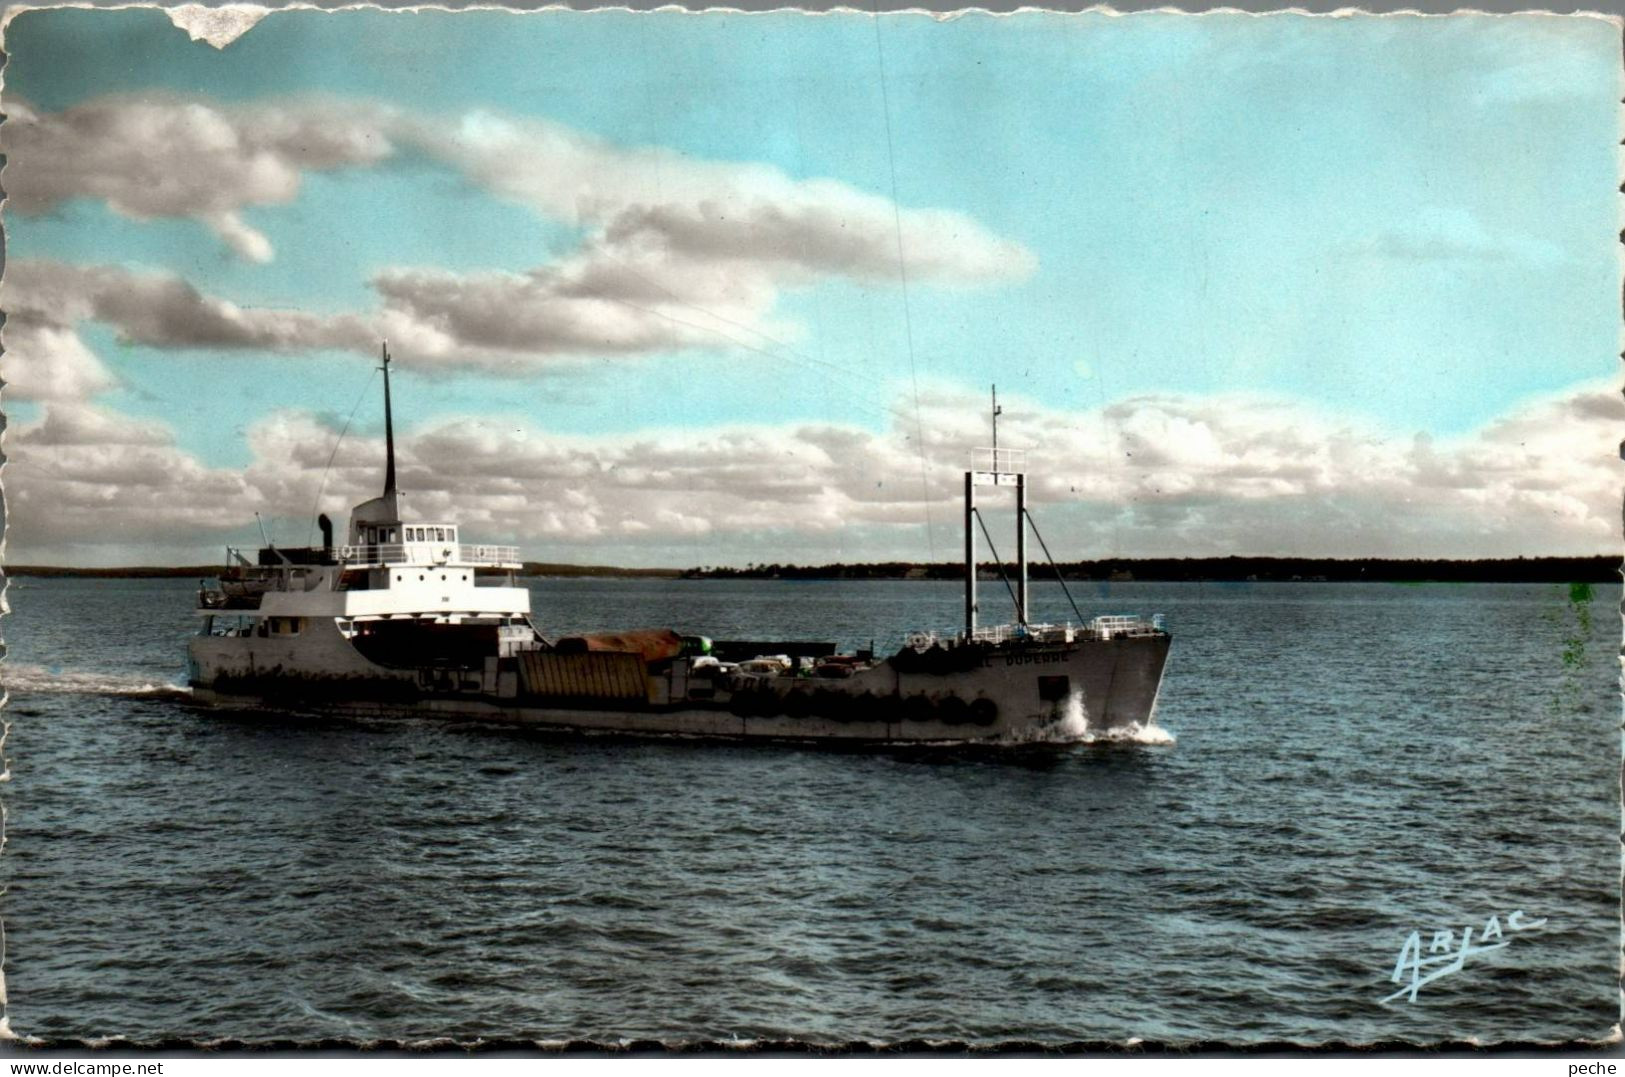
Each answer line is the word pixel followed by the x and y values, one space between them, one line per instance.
pixel 653 644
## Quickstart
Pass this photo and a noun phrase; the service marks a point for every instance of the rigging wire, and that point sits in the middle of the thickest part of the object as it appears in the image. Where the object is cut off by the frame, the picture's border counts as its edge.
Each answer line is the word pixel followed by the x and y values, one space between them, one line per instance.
pixel 316 505
pixel 846 372
pixel 1058 577
pixel 997 561
pixel 902 276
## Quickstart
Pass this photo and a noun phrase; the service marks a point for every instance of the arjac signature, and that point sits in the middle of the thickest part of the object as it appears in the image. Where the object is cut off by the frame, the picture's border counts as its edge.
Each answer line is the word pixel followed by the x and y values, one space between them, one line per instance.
pixel 1416 971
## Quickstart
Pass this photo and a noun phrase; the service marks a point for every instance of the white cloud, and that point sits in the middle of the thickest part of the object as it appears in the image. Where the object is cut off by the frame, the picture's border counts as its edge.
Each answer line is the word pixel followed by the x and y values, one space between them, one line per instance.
pixel 151 156
pixel 249 244
pixel 676 252
pixel 86 479
pixel 1151 476
pixel 644 197
pixel 162 310
pixel 43 361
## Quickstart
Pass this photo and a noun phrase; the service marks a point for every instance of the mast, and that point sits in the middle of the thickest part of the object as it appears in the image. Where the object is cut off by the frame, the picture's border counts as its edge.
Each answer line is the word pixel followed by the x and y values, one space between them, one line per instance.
pixel 1008 469
pixel 389 431
pixel 970 554
pixel 1021 513
pixel 1021 546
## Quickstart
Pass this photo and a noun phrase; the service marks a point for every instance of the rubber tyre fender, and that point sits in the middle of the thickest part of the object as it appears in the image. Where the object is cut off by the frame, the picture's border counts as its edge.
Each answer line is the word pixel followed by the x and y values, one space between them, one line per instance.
pixel 798 703
pixel 984 711
pixel 919 708
pixel 834 706
pixel 953 710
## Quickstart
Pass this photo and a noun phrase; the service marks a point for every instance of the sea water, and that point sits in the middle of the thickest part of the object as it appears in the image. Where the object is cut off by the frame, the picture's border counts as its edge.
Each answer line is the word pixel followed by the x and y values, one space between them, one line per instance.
pixel 1333 767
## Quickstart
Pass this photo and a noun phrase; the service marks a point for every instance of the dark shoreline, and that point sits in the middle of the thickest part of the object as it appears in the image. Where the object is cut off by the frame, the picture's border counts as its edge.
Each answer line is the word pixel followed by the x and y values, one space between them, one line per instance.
pixel 1600 569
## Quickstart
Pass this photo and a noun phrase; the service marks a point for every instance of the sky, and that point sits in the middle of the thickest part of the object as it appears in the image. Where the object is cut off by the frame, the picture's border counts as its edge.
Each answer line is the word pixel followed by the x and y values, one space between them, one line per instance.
pixel 671 289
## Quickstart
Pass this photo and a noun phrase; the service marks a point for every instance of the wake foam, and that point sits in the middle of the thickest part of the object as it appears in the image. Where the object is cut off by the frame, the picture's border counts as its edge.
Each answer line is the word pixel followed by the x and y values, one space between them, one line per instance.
pixel 20 678
pixel 1074 728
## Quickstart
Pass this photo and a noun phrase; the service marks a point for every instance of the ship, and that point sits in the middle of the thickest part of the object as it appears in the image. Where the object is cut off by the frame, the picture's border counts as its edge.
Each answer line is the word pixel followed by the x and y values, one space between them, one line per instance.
pixel 405 618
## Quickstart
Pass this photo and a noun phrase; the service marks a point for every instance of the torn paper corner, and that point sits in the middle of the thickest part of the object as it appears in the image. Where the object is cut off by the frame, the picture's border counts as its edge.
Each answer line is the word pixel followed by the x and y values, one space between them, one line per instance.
pixel 219 26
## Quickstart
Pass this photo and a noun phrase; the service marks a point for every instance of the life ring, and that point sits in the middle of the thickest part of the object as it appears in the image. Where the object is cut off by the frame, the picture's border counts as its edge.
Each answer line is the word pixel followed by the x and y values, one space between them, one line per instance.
pixel 918 641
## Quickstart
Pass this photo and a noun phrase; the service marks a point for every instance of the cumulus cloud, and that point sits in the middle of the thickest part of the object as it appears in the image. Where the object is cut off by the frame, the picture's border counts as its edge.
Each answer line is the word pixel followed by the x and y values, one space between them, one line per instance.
pixel 674 251
pixel 496 322
pixel 155 156
pixel 83 478
pixel 162 310
pixel 48 361
pixel 1153 475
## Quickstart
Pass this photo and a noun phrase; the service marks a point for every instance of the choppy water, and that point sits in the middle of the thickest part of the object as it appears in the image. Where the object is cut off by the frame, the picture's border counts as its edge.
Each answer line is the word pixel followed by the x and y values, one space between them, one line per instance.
pixel 1348 763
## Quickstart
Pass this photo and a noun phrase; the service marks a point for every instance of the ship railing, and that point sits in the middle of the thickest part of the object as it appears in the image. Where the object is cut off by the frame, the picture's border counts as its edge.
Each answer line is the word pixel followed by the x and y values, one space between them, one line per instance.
pixel 428 553
pixel 1111 625
pixel 1108 626
pixel 489 555
pixel 1034 633
pixel 991 633
pixel 998 461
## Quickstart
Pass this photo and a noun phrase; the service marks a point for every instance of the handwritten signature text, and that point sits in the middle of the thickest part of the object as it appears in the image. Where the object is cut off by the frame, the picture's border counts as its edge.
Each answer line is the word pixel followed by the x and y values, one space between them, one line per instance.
pixel 1444 957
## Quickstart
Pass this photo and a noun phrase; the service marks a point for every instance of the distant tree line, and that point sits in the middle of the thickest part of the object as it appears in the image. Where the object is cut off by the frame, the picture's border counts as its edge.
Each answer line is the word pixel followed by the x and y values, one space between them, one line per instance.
pixel 1482 570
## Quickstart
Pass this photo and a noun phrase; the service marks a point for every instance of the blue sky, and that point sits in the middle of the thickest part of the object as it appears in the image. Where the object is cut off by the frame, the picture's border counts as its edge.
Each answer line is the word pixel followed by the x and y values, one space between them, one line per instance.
pixel 1400 225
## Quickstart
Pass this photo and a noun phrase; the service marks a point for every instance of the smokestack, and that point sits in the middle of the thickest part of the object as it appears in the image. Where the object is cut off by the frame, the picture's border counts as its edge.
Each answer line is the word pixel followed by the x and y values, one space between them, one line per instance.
pixel 327 534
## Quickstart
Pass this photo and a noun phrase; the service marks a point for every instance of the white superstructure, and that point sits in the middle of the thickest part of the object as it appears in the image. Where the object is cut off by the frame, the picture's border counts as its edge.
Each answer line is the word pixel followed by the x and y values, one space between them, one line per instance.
pixel 393 572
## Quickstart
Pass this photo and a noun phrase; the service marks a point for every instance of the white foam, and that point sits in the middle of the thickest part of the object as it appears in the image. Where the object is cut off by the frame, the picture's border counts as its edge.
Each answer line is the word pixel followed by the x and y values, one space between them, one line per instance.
pixel 21 678
pixel 1074 728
